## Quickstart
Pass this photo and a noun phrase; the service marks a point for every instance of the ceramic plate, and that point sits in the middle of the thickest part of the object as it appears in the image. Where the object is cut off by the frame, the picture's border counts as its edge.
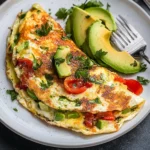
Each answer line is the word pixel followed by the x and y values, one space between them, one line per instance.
pixel 28 126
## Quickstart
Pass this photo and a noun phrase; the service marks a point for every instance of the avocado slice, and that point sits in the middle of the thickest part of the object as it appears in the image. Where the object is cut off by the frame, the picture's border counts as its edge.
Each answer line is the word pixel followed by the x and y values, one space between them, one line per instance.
pixel 68 27
pixel 99 39
pixel 43 107
pixel 101 124
pixel 104 15
pixel 59 116
pixel 73 115
pixel 81 20
pixel 63 69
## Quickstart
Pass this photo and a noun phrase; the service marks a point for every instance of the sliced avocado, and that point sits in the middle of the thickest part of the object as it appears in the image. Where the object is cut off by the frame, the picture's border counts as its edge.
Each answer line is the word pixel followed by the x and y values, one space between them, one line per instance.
pixel 22 46
pixel 125 111
pixel 68 27
pixel 99 39
pixel 60 58
pixel 85 48
pixel 59 116
pixel 43 107
pixel 104 15
pixel 81 20
pixel 73 115
pixel 101 124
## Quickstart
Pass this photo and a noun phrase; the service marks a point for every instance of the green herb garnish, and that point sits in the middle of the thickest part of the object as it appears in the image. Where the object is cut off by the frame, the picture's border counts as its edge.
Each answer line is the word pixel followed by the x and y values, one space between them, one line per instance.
pixel 108 6
pixel 59 61
pixel 22 16
pixel 68 58
pixel 61 98
pixel 143 67
pixel 26 44
pixel 82 73
pixel 96 100
pixel 44 30
pixel 15 109
pixel 91 3
pixel 32 95
pixel 49 79
pixel 36 64
pixel 134 64
pixel 16 38
pixel 142 80
pixel 100 54
pixel 44 48
pixel 62 13
pixel 13 94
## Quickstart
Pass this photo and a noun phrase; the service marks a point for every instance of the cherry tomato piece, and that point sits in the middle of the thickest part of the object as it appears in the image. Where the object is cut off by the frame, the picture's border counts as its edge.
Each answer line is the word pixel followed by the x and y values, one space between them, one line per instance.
pixel 134 86
pixel 76 86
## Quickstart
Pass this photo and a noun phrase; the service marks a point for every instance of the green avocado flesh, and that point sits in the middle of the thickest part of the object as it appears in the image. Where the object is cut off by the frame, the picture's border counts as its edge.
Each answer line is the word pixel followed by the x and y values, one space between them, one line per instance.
pixel 104 15
pixel 99 39
pixel 68 27
pixel 81 20
pixel 101 124
pixel 63 69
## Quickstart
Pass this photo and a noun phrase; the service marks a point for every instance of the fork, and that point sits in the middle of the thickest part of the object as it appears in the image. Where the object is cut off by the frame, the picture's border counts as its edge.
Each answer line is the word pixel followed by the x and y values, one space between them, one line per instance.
pixel 127 38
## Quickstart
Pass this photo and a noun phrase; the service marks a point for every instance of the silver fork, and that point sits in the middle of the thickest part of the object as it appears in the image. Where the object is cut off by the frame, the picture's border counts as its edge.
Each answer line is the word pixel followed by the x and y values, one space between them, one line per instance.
pixel 127 38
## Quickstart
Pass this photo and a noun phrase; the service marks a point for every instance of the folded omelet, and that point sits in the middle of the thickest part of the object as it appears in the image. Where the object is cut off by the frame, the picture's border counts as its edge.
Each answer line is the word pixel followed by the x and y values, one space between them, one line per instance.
pixel 31 50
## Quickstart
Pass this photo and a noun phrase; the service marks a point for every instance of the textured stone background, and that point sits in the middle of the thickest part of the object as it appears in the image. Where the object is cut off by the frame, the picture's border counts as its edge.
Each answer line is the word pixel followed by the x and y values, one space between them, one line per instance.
pixel 137 139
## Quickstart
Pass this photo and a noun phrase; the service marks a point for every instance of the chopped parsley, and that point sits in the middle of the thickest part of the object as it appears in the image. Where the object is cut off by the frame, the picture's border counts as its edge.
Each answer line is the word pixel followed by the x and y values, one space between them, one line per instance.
pixel 134 64
pixel 22 16
pixel 68 58
pixel 49 79
pixel 61 98
pixel 59 61
pixel 100 54
pixel 16 38
pixel 13 94
pixel 108 6
pixel 91 3
pixel 32 95
pixel 44 30
pixel 62 13
pixel 36 64
pixel 86 63
pixel 142 80
pixel 15 109
pixel 96 100
pixel 45 85
pixel 26 44
pixel 82 73
pixel 143 67
pixel 44 48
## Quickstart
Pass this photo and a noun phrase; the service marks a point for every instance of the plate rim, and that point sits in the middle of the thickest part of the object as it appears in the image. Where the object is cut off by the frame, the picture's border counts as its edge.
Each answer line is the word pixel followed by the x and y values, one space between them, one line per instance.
pixel 33 139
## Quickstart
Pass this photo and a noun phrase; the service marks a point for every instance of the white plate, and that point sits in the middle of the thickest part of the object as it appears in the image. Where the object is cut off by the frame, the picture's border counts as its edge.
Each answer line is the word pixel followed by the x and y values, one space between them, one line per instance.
pixel 24 123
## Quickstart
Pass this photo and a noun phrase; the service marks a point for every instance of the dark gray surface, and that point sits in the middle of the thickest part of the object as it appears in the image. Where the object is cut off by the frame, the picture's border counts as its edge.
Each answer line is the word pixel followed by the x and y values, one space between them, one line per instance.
pixel 137 139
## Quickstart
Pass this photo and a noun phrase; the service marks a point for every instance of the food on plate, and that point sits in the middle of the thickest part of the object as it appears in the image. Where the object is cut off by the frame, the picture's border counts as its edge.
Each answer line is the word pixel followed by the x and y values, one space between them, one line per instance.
pixel 58 83
pixel 91 30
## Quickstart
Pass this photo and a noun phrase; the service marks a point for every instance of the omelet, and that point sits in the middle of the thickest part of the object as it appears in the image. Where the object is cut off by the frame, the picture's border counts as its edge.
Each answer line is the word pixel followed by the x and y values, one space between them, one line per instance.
pixel 31 66
pixel 66 119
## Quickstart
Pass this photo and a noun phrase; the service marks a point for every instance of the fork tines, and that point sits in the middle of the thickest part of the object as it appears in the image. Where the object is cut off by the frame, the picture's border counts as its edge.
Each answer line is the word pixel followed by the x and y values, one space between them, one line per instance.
pixel 126 37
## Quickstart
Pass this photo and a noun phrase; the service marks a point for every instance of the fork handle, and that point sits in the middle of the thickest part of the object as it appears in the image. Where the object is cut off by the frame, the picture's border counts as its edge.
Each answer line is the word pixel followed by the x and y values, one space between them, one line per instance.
pixel 144 56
